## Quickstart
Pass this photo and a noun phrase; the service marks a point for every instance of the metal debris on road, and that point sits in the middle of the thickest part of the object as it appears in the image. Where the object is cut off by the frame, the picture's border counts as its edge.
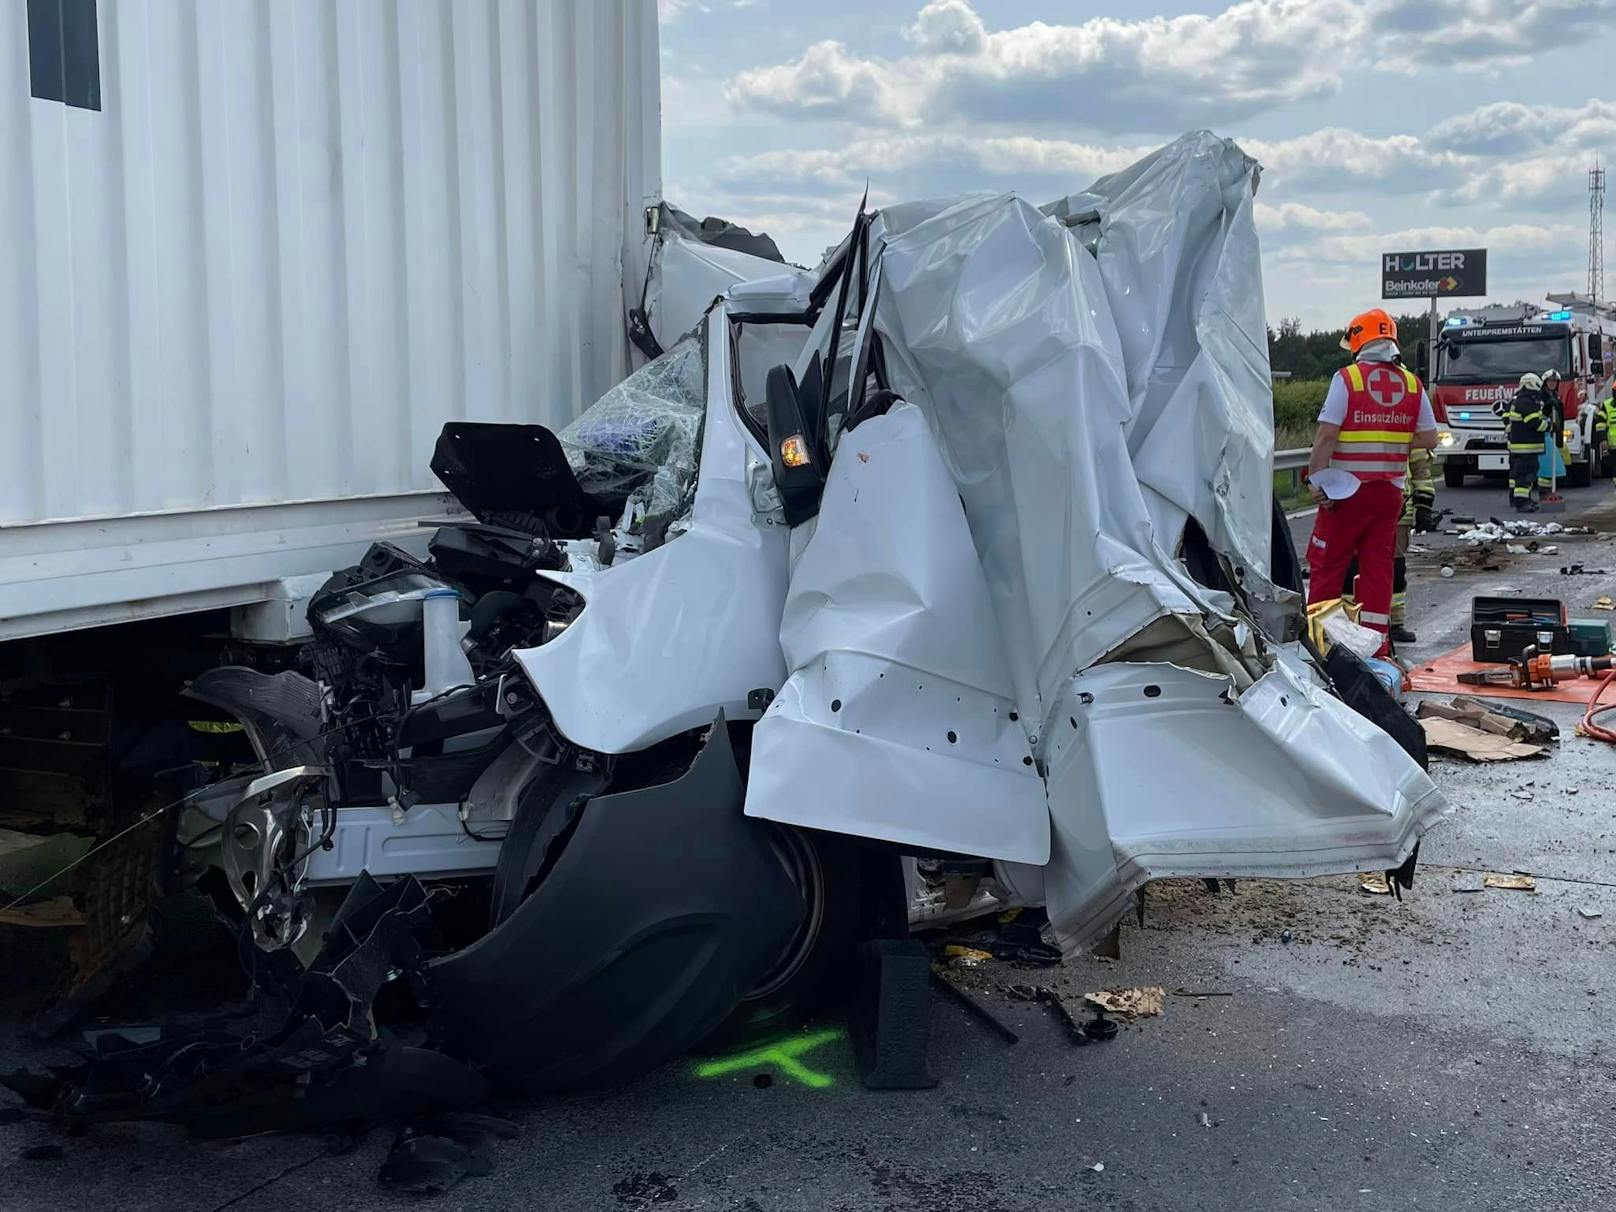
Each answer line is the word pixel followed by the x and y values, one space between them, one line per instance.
pixel 1132 1003
pixel 1514 882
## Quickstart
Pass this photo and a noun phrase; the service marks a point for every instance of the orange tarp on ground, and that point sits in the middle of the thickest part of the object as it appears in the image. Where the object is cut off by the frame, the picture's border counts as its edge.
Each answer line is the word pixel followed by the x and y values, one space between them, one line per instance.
pixel 1441 676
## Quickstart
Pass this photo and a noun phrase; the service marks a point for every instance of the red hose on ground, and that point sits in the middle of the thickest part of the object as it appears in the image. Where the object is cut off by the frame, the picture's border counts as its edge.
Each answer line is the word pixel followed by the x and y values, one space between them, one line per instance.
pixel 1598 731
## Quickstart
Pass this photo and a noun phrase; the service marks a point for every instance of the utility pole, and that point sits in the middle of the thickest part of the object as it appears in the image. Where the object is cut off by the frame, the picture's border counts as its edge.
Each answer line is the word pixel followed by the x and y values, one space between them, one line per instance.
pixel 1596 236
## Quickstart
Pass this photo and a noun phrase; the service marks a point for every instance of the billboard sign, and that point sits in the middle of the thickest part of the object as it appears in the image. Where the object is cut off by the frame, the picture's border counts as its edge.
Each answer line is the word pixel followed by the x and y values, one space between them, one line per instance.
pixel 1433 275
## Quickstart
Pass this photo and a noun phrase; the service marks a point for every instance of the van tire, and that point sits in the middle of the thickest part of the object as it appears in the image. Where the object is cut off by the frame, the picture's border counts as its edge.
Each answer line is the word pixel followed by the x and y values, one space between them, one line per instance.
pixel 817 967
pixel 1453 473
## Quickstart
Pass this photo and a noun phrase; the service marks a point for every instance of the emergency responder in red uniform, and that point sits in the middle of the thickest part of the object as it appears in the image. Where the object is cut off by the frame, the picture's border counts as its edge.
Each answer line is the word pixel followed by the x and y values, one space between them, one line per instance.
pixel 1374 413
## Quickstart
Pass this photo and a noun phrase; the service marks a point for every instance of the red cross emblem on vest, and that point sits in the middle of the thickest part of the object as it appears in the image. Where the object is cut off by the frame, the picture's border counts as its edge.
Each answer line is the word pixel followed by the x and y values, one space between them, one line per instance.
pixel 1386 387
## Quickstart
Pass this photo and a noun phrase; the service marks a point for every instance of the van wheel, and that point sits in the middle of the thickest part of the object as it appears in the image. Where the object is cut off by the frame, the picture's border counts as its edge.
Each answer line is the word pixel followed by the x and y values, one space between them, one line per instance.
pixel 816 963
pixel 1453 473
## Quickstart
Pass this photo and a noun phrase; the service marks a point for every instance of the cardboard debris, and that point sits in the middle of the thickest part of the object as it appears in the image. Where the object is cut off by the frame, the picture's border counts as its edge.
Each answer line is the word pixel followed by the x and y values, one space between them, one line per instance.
pixel 1604 603
pixel 1461 740
pixel 1501 720
pixel 1514 882
pixel 56 911
pixel 1130 1003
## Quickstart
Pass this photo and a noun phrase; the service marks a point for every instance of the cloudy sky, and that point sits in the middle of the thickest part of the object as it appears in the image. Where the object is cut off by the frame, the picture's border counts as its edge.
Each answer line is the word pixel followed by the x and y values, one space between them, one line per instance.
pixel 1382 125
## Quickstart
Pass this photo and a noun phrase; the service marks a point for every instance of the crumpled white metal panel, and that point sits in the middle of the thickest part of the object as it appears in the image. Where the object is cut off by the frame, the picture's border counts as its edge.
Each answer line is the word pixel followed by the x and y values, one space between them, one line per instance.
pixel 670 638
pixel 998 329
pixel 1155 770
pixel 1067 396
pixel 298 237
pixel 1178 256
pixel 898 720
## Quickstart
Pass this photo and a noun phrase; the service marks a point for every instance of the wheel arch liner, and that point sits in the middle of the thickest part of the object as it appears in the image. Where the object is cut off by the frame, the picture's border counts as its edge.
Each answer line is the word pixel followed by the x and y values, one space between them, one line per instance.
pixel 665 907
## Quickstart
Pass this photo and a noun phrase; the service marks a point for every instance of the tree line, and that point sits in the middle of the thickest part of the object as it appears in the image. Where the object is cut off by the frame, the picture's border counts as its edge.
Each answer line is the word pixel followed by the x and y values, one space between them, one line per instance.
pixel 1318 355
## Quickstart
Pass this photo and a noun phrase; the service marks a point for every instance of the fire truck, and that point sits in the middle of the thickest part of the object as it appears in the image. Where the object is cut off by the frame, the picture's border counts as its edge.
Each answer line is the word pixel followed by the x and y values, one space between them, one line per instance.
pixel 1476 365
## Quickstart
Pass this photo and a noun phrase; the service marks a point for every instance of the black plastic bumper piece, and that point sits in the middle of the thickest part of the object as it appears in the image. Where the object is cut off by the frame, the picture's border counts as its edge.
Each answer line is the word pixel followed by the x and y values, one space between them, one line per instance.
pixel 665 907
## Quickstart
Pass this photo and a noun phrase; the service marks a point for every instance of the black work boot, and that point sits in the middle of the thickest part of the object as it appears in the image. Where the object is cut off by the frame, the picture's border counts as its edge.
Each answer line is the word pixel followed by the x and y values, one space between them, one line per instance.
pixel 1402 635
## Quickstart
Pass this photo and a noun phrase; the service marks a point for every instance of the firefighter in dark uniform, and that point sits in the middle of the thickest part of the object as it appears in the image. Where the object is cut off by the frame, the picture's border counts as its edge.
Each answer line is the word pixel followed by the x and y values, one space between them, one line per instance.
pixel 1528 422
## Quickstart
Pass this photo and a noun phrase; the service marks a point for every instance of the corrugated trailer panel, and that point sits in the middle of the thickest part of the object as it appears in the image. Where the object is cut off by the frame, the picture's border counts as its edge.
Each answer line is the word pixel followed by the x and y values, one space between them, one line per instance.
pixel 298 235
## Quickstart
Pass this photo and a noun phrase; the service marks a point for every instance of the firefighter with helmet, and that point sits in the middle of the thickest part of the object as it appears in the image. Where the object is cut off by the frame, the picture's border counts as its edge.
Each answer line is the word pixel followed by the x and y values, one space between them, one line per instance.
pixel 1551 467
pixel 1528 419
pixel 1375 412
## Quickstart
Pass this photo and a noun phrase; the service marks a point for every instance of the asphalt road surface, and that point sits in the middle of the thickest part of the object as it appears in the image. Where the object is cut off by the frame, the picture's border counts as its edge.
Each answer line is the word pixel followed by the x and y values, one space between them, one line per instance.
pixel 1453 1050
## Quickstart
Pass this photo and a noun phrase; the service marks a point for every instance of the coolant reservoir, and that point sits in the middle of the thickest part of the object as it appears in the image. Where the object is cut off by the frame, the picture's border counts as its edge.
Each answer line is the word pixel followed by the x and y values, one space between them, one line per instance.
pixel 445 663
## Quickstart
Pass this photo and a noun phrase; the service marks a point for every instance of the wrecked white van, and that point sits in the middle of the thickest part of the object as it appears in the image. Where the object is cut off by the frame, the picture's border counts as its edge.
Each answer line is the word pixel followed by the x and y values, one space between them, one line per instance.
pixel 960 548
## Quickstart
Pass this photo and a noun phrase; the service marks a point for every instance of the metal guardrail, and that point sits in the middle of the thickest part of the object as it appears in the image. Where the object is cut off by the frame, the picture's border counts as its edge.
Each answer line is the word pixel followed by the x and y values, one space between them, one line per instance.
pixel 1293 461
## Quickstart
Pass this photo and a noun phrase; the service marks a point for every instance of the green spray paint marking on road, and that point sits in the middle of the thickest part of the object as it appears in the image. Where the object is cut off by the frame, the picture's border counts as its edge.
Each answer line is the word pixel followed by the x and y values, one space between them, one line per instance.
pixel 783 1054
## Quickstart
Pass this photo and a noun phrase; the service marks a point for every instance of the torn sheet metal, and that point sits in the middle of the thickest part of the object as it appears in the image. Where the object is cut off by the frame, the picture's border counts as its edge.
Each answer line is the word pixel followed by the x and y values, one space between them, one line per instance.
pixel 1092 382
pixel 671 637
pixel 696 261
pixel 1156 771
pixel 1177 252
pixel 901 701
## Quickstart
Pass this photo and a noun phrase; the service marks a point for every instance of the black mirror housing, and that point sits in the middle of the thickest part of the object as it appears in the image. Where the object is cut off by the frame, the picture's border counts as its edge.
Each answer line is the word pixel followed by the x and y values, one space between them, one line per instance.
pixel 794 450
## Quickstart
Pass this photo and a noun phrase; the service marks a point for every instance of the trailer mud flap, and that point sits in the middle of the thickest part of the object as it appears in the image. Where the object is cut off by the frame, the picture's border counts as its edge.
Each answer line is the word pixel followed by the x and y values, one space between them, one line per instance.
pixel 665 907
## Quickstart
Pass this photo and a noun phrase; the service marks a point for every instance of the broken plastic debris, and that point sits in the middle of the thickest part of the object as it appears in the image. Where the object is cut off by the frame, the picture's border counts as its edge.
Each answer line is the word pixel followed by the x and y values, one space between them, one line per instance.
pixel 1588 914
pixel 1098 1167
pixel 1204 1120
pixel 1515 881
pixel 1130 1003
pixel 966 957
pixel 1468 883
pixel 1447 570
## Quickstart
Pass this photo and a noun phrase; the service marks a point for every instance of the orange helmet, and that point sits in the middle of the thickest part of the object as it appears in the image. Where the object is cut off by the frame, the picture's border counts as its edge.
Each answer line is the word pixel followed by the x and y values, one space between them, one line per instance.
pixel 1372 325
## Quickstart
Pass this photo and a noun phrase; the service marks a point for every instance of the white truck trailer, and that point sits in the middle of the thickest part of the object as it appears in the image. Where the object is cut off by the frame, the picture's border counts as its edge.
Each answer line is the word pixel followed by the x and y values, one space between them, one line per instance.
pixel 255 254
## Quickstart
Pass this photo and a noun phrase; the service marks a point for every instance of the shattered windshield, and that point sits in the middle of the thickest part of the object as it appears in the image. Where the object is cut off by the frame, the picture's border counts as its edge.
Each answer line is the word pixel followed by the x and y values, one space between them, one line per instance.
pixel 640 442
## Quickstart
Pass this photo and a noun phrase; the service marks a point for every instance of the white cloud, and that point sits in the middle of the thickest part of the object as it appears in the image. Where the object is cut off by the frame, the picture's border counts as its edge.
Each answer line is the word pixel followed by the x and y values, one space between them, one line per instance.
pixel 948 27
pixel 1153 73
pixel 911 165
pixel 1299 217
pixel 1508 128
pixel 1528 243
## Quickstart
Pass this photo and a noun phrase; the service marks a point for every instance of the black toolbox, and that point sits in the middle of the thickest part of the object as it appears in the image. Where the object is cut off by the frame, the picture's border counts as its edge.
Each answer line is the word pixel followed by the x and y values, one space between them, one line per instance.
pixel 1502 628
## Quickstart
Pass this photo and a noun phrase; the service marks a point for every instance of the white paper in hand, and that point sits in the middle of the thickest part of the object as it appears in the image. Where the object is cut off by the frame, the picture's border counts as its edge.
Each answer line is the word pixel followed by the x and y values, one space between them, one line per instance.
pixel 1334 483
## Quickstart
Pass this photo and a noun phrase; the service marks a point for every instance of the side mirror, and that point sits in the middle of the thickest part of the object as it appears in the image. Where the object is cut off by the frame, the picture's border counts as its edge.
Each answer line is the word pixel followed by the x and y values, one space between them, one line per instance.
pixel 1422 359
pixel 794 448
pixel 1596 355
